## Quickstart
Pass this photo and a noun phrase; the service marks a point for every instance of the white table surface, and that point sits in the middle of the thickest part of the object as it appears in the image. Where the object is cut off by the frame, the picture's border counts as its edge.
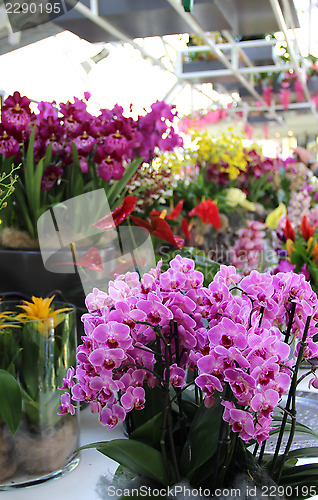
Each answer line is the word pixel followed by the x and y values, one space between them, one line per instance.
pixel 91 477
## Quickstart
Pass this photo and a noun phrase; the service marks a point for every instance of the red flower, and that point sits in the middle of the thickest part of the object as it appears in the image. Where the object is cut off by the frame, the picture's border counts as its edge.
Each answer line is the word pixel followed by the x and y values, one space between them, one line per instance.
pixel 289 231
pixel 208 212
pixel 92 259
pixel 160 228
pixel 118 215
pixel 185 228
pixel 175 212
pixel 305 228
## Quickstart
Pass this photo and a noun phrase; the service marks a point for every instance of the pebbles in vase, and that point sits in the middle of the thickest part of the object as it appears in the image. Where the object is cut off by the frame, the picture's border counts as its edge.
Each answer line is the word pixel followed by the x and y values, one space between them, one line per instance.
pixel 45 450
pixel 8 463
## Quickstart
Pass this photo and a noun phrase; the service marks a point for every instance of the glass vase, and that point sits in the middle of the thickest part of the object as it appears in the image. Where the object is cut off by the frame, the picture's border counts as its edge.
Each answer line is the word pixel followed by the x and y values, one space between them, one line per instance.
pixel 38 354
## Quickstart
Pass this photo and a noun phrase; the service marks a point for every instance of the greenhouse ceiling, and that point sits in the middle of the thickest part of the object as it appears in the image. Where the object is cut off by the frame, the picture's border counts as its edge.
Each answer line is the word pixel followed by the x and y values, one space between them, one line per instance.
pixel 130 21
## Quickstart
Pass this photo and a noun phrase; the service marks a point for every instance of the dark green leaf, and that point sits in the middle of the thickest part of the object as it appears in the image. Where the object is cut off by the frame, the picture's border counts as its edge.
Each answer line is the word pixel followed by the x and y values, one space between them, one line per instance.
pixel 150 431
pixel 119 185
pixel 203 437
pixel 137 457
pixel 29 170
pixel 10 400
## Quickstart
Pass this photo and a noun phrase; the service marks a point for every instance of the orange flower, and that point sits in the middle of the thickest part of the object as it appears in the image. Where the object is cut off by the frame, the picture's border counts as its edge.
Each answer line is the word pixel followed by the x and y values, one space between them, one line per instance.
pixel 289 247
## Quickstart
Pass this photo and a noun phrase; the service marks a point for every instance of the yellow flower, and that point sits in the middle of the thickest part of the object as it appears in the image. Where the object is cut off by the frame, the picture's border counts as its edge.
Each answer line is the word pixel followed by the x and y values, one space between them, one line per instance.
pixel 236 197
pixel 41 311
pixel 312 246
pixel 4 318
pixel 289 247
pixel 273 218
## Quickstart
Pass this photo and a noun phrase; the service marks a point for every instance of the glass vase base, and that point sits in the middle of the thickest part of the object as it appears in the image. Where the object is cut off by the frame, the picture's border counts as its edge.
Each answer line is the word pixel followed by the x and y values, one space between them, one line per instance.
pixel 28 481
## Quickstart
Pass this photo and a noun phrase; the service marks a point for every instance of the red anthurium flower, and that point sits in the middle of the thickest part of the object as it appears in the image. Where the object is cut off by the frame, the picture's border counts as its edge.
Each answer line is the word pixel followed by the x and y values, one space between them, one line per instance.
pixel 289 231
pixel 160 228
pixel 92 259
pixel 305 228
pixel 118 215
pixel 185 228
pixel 175 212
pixel 208 212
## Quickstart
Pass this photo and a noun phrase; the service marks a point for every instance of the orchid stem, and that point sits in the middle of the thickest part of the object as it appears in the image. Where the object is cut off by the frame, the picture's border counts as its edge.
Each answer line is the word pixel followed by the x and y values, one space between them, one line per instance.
pixel 290 323
pixel 182 422
pixel 287 408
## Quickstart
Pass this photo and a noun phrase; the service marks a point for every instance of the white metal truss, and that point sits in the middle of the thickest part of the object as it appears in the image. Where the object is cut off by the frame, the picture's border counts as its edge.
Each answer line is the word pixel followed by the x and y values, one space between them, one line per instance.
pixel 92 14
pixel 239 64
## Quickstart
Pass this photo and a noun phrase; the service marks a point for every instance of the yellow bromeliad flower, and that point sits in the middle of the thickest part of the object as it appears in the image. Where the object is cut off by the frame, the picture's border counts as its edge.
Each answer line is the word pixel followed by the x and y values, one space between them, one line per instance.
pixel 235 197
pixel 41 311
pixel 273 218
pixel 5 318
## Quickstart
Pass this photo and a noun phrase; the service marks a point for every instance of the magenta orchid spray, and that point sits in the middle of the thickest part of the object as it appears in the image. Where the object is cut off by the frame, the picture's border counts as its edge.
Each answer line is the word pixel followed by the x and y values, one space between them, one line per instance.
pixel 65 152
pixel 238 342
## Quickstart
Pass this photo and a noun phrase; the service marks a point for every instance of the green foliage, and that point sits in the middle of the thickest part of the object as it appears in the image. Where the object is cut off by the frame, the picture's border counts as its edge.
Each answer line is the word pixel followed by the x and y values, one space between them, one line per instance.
pixel 202 438
pixel 138 457
pixel 10 400
pixel 28 201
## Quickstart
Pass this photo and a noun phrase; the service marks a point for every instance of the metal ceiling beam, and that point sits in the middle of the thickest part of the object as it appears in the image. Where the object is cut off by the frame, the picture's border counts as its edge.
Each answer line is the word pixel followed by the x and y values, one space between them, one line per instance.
pixel 197 28
pixel 110 28
pixel 175 90
pixel 231 40
pixel 92 15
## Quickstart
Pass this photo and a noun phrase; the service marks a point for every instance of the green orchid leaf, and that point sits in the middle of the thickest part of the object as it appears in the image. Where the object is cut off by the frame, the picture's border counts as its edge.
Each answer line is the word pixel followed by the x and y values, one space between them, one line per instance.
pixel 300 428
pixel 37 188
pixel 138 457
pixel 300 472
pixel 24 211
pixel 116 189
pixel 203 437
pixel 149 432
pixel 48 155
pixel 29 171
pixel 10 400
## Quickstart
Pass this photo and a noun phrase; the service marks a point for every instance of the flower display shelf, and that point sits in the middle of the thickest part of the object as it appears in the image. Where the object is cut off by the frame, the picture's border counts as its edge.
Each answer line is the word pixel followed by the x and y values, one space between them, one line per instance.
pixel 312 85
pixel 261 118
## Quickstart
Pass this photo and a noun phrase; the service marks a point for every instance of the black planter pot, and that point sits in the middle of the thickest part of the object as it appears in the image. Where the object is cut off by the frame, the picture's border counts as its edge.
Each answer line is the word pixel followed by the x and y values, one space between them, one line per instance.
pixel 23 271
pixel 23 274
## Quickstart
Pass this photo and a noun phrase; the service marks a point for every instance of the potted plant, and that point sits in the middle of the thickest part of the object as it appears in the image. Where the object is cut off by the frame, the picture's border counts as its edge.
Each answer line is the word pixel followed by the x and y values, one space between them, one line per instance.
pixel 238 343
pixel 65 152
pixel 37 348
